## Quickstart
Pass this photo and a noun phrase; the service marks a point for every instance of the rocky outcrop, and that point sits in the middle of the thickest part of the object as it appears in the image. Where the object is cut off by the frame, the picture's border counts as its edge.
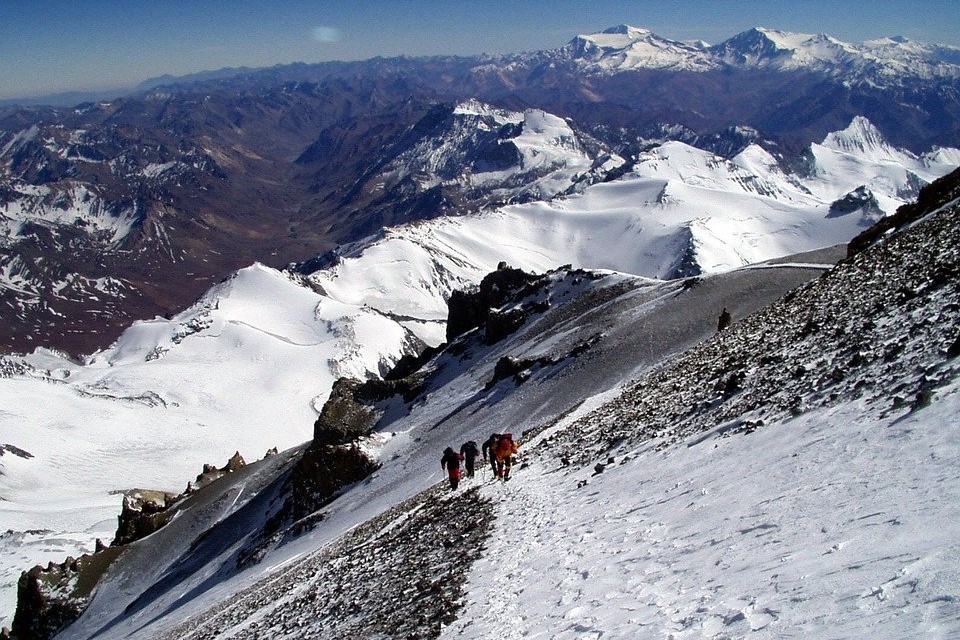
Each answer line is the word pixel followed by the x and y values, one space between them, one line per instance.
pixel 349 413
pixel 322 472
pixel 334 460
pixel 49 599
pixel 212 472
pixel 469 309
pixel 343 417
pixel 143 513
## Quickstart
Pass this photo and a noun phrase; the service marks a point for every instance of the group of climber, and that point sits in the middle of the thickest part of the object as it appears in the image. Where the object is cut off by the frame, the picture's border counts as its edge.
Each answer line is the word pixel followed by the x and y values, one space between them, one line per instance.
pixel 500 448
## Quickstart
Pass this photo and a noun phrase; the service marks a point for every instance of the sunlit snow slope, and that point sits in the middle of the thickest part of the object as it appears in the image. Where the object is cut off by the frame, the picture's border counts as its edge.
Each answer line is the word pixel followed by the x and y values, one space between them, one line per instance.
pixel 247 367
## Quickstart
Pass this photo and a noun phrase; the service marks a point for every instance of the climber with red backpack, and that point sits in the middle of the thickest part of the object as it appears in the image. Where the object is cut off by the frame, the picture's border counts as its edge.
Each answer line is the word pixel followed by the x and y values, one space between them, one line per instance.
pixel 503 451
pixel 451 462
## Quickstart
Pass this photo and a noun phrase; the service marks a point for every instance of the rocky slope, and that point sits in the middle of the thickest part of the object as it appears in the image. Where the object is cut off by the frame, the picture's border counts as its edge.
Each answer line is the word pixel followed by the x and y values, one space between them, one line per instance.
pixel 567 340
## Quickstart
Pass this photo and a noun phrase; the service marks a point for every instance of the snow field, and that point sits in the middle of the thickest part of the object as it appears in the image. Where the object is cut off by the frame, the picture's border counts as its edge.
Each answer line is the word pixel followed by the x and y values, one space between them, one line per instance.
pixel 835 524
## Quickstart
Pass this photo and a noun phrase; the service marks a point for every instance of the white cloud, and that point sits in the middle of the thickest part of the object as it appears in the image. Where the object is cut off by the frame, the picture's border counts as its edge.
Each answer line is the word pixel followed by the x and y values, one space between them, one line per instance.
pixel 325 34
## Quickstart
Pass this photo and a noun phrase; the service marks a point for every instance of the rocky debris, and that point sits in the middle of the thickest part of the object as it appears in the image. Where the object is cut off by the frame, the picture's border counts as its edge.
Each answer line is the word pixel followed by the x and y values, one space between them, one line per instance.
pixel 143 512
pixel 878 323
pixel 420 551
pixel 49 599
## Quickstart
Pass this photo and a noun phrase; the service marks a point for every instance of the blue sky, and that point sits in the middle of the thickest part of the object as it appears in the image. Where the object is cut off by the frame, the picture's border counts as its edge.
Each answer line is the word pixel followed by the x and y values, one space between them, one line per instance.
pixel 48 46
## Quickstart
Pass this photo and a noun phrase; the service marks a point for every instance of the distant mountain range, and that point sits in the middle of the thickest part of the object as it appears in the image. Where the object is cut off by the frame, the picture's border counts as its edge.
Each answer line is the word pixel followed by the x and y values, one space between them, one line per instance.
pixel 126 209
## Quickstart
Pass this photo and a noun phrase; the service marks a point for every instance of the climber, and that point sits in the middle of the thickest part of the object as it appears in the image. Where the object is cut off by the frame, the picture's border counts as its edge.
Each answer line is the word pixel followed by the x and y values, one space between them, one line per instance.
pixel 724 320
pixel 503 451
pixel 488 448
pixel 451 462
pixel 469 452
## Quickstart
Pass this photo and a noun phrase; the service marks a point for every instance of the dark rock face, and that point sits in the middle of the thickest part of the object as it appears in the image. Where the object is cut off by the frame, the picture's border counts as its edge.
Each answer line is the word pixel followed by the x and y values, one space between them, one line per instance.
pixel 40 614
pixel 49 599
pixel 143 513
pixel 343 417
pixel 322 472
pixel 470 309
pixel 332 462
pixel 860 199
pixel 501 324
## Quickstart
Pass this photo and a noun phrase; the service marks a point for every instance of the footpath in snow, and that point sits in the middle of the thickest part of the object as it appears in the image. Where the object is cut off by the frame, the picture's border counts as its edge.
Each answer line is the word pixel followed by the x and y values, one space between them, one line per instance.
pixel 834 524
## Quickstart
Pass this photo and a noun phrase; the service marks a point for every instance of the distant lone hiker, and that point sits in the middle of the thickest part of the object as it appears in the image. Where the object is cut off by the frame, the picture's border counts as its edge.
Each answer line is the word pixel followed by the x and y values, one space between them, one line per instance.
pixel 451 462
pixel 724 320
pixel 488 449
pixel 504 451
pixel 469 452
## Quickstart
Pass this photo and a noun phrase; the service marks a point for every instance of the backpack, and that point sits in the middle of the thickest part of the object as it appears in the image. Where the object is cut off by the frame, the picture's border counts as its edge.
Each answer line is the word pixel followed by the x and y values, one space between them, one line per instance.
pixel 505 445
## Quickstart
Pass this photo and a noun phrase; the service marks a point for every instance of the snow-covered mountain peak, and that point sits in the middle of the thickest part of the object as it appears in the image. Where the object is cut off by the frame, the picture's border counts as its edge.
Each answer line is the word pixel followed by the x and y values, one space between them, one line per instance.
pixel 474 107
pixel 474 153
pixel 862 138
pixel 626 33
pixel 877 62
pixel 761 47
pixel 625 47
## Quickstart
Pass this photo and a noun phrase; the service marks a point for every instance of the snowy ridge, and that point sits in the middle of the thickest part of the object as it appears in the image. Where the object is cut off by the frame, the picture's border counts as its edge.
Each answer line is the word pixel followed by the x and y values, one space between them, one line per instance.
pixel 733 213
pixel 881 61
pixel 625 47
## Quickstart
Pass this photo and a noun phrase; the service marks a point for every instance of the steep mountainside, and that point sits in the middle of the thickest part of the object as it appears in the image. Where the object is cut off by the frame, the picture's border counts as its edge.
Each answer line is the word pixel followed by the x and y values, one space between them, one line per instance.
pixel 456 159
pixel 791 472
